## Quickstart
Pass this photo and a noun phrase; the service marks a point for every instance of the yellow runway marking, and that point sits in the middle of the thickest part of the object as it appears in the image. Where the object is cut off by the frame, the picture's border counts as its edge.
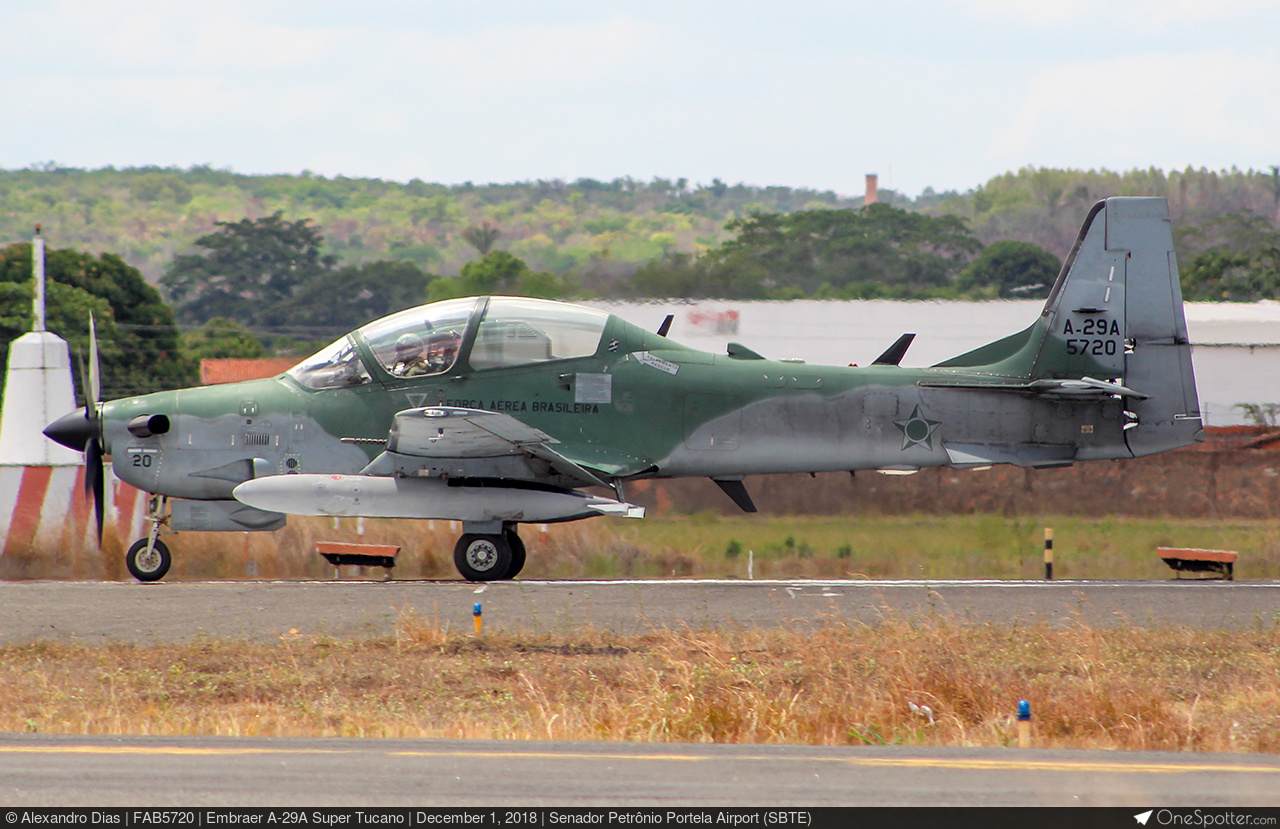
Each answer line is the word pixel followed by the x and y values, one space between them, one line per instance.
pixel 962 764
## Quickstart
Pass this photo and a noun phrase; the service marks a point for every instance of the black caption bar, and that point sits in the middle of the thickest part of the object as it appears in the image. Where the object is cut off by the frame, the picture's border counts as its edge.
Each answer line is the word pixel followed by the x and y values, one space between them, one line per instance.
pixel 728 818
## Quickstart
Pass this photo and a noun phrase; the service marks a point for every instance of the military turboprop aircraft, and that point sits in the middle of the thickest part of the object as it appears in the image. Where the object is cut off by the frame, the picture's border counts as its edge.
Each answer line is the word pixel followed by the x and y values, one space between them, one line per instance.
pixel 496 411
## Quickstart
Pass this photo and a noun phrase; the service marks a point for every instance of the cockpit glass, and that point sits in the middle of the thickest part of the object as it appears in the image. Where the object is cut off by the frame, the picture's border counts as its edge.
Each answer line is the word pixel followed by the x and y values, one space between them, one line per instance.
pixel 420 341
pixel 519 331
pixel 334 366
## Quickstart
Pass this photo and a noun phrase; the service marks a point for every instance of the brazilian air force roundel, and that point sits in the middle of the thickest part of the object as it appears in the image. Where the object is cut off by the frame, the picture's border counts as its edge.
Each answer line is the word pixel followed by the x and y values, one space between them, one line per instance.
pixel 917 430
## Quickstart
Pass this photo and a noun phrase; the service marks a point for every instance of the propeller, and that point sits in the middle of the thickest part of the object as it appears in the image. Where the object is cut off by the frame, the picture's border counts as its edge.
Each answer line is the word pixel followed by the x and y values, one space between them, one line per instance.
pixel 95 475
pixel 81 430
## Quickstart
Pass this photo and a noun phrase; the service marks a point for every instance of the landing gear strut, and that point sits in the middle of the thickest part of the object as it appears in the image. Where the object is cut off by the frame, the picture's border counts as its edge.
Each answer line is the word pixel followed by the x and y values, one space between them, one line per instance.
pixel 148 559
pixel 489 556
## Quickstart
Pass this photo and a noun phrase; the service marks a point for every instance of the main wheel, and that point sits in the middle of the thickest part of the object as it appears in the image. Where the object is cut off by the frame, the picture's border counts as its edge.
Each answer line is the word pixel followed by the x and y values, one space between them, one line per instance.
pixel 148 566
pixel 482 557
pixel 517 552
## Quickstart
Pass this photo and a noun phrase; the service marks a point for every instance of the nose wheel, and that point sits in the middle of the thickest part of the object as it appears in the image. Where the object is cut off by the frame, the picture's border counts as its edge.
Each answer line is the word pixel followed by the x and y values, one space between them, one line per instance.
pixel 148 559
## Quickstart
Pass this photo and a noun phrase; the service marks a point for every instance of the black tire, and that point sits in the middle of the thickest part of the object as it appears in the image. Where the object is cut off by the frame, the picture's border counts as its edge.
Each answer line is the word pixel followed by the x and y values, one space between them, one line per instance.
pixel 144 567
pixel 517 552
pixel 482 557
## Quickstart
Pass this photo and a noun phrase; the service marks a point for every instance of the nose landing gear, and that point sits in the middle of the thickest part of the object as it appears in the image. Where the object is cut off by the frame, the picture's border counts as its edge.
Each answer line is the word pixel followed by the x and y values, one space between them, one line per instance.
pixel 148 559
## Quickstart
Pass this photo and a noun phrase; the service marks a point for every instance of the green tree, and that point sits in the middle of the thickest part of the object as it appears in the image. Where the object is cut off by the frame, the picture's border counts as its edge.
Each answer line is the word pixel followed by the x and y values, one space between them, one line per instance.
pixel 247 271
pixel 1238 259
pixel 482 237
pixel 876 251
pixel 1224 276
pixel 674 275
pixel 502 273
pixel 221 338
pixel 1010 269
pixel 349 297
pixel 138 342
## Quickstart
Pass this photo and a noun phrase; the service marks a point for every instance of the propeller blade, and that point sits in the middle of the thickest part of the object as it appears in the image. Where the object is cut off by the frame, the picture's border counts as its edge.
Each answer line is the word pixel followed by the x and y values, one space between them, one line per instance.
pixel 92 464
pixel 95 380
pixel 95 480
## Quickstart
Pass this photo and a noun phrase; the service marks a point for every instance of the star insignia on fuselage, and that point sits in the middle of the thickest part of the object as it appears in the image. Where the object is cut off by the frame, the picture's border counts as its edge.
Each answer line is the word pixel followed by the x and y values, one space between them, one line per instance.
pixel 917 430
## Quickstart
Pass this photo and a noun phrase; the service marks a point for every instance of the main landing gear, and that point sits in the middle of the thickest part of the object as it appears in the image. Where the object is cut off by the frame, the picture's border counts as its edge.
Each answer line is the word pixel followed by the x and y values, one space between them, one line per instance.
pixel 489 556
pixel 487 551
pixel 148 559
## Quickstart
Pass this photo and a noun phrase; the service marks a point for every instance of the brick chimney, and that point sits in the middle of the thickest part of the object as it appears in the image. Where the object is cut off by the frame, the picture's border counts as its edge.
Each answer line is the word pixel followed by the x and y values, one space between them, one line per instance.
pixel 872 190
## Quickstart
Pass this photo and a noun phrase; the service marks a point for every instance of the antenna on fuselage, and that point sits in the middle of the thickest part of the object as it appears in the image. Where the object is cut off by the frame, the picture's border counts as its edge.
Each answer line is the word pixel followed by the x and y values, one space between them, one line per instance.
pixel 666 325
pixel 893 355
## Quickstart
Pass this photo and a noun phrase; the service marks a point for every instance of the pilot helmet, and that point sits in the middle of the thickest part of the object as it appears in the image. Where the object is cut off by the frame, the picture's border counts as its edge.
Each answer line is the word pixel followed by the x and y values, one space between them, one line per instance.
pixel 408 346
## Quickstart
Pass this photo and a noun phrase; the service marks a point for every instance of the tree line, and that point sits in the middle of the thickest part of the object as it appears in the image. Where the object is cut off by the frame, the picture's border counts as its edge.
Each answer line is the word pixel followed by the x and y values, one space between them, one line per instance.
pixel 281 283
pixel 597 232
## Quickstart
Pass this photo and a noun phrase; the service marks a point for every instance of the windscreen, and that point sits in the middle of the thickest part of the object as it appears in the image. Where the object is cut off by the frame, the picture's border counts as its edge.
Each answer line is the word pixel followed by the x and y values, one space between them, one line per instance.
pixel 420 341
pixel 335 366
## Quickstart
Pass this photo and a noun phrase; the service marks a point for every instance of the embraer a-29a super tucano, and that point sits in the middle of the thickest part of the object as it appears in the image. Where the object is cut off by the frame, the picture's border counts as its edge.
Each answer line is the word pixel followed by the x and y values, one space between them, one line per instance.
pixel 497 411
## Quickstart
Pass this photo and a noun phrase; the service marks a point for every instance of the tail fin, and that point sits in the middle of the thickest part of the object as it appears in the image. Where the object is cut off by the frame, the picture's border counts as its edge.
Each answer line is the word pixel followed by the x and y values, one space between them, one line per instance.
pixel 1112 324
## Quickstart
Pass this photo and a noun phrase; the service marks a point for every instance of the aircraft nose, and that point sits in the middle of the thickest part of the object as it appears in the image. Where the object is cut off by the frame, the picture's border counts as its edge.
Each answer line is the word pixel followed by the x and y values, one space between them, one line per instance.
pixel 71 430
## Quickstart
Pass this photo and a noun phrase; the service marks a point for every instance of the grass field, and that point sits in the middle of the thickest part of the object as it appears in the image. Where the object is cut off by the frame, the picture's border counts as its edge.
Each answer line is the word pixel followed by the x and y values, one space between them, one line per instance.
pixel 711 545
pixel 1118 688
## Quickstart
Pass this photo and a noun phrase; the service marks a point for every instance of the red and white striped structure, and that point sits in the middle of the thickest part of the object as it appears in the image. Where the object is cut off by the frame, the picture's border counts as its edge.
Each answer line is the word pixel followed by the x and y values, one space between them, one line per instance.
pixel 41 483
pixel 47 508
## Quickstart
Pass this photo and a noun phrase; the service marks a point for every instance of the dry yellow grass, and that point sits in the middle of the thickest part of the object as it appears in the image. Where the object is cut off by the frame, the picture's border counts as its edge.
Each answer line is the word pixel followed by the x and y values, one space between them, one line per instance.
pixel 1117 688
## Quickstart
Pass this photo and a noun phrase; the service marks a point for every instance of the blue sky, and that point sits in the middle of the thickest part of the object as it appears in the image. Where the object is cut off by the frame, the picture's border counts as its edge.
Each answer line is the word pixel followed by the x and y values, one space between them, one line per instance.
pixel 944 94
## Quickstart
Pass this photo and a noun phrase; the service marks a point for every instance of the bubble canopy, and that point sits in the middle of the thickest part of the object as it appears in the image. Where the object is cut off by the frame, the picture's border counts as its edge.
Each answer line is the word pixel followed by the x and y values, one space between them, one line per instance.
pixel 428 340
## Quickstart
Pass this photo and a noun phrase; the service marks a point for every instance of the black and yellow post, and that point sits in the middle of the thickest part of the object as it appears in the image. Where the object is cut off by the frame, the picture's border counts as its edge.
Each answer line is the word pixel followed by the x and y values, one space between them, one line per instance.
pixel 1048 552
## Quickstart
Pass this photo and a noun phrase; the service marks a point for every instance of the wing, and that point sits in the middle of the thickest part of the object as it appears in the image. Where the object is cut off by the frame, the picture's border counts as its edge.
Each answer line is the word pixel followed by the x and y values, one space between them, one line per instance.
pixel 478 443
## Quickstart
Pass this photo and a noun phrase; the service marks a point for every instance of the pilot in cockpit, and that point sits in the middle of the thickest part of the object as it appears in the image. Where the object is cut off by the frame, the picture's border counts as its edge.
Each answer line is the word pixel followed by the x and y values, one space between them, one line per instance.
pixel 442 350
pixel 409 359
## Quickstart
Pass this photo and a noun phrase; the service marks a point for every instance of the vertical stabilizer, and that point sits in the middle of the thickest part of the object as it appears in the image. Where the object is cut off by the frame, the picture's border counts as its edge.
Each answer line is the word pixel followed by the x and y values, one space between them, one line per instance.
pixel 1113 321
pixel 1115 314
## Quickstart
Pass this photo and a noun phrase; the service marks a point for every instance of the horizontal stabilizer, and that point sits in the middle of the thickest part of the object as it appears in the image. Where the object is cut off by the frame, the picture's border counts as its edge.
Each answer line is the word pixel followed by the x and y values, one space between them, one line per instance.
pixel 1083 387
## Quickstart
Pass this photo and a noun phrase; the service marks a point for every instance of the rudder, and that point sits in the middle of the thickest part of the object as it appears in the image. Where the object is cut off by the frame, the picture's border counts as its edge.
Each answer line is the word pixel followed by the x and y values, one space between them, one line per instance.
pixel 1115 314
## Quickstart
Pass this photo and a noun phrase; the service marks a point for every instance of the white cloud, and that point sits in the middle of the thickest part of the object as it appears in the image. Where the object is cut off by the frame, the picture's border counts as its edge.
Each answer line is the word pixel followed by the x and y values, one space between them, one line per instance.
pixel 1211 108
pixel 1145 14
pixel 944 95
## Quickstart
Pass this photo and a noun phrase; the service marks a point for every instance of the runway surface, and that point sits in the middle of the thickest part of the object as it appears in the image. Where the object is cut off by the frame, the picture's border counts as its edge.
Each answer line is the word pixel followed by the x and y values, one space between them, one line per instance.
pixel 193 771
pixel 95 612
pixel 68 771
